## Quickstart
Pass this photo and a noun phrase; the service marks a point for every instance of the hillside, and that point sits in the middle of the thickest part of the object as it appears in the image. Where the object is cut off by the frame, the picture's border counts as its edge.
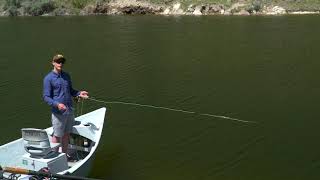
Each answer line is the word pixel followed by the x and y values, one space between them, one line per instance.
pixel 161 7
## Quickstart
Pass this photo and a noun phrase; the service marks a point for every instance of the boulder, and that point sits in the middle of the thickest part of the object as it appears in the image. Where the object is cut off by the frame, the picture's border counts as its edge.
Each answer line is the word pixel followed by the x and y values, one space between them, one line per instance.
pixel 215 9
pixel 274 10
pixel 242 13
pixel 89 9
pixel 166 11
pixel 176 9
pixel 101 9
pixel 279 10
pixel 136 10
pixel 4 13
pixel 198 10
pixel 191 8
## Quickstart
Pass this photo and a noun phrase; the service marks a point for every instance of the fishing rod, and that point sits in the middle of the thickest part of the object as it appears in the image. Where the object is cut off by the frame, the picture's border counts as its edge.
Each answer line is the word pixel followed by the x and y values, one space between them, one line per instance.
pixel 14 170
pixel 170 109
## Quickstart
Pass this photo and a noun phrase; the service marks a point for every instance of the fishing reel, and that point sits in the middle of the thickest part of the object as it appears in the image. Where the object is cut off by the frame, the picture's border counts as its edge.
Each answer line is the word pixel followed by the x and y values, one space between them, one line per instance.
pixel 77 99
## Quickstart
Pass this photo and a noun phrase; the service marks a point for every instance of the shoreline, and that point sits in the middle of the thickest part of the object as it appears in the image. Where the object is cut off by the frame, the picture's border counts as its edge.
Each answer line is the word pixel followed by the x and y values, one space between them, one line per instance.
pixel 138 7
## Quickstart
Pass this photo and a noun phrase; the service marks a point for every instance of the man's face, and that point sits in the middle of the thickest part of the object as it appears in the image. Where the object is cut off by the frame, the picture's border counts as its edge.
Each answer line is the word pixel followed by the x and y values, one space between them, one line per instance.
pixel 58 65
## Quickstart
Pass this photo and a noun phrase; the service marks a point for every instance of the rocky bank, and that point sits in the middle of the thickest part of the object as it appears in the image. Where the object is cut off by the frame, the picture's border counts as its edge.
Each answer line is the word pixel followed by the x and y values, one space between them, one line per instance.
pixel 116 7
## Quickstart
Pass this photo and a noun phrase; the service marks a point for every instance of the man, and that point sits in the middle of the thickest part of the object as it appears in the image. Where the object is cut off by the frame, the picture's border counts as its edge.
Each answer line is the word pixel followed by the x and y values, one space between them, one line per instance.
pixel 58 93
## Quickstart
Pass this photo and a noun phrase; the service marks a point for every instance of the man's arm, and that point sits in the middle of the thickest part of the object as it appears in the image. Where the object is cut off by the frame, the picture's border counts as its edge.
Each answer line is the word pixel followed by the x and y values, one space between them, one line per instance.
pixel 47 93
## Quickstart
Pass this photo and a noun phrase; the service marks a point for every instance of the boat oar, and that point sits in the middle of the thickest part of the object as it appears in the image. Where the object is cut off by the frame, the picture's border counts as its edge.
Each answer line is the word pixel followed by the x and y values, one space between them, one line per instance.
pixel 44 174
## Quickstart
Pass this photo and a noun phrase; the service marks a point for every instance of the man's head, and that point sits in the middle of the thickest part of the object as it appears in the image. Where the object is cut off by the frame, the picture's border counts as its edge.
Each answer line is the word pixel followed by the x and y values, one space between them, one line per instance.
pixel 58 61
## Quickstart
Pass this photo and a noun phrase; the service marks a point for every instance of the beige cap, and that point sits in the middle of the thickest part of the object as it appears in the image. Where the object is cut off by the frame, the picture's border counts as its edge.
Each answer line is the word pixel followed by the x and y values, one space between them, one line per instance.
pixel 59 58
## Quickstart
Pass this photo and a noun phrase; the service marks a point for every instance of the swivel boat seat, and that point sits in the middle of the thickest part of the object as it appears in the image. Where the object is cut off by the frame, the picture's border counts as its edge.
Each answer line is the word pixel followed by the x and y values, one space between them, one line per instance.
pixel 36 142
pixel 40 152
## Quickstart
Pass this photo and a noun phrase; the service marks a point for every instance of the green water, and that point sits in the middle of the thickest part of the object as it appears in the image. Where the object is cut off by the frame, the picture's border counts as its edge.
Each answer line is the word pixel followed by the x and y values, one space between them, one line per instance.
pixel 263 69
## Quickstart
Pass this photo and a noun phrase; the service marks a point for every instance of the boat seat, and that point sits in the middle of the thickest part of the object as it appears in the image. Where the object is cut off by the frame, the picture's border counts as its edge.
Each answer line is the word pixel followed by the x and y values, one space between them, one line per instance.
pixel 36 142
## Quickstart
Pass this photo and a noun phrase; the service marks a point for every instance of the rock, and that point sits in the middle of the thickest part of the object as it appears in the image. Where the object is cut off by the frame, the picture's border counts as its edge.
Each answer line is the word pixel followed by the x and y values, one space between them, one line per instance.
pixel 304 12
pixel 215 9
pixel 4 13
pixel 242 13
pixel 166 11
pixel 191 8
pixel 279 10
pixel 198 10
pixel 101 9
pixel 236 7
pixel 133 7
pixel 176 9
pixel 179 12
pixel 89 9
pixel 136 10
pixel 48 14
pixel 60 12
pixel 274 10
pixel 205 9
pixel 113 11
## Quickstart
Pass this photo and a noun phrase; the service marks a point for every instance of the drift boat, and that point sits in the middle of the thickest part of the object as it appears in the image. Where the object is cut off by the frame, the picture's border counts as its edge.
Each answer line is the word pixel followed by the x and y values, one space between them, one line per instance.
pixel 35 151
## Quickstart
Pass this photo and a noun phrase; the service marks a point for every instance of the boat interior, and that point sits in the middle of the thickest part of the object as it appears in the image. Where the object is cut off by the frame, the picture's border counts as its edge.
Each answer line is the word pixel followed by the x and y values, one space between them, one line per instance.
pixel 35 150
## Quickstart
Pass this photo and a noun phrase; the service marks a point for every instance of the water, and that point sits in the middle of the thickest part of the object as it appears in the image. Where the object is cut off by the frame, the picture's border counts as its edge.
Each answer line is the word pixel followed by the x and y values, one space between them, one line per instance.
pixel 262 69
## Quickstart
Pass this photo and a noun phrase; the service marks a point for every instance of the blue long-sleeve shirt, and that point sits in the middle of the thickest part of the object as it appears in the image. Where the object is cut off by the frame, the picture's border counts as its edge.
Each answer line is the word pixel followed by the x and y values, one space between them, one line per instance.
pixel 57 88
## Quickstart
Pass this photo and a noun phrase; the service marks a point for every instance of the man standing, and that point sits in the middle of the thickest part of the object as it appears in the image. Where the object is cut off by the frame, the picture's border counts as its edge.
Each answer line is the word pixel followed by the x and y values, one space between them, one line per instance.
pixel 58 93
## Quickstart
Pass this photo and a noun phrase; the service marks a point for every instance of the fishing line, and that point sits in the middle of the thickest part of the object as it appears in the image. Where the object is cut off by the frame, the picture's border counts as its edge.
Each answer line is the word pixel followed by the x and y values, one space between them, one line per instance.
pixel 170 109
pixel 81 106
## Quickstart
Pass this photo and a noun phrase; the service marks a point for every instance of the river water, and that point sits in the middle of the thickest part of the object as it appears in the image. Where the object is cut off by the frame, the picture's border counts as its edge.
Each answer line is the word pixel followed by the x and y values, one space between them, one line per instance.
pixel 261 69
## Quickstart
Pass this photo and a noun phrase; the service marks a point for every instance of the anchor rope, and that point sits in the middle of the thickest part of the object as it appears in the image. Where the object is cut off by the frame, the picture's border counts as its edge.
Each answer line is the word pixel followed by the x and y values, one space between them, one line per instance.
pixel 170 109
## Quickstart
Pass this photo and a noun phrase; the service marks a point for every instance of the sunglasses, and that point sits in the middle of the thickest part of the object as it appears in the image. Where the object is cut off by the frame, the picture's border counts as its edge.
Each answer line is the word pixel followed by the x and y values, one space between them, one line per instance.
pixel 60 62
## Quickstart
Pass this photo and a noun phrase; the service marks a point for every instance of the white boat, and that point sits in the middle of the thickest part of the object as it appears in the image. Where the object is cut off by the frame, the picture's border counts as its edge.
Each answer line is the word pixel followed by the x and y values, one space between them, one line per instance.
pixel 84 141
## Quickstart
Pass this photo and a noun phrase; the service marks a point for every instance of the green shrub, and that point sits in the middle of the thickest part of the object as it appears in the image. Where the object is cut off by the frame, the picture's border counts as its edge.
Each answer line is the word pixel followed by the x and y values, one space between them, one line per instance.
pixel 257 5
pixel 79 4
pixel 39 7
pixel 13 11
pixel 12 4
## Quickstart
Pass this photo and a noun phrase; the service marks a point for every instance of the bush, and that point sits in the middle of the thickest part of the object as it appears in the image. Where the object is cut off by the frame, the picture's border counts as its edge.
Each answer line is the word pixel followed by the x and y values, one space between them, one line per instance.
pixel 13 11
pixel 12 4
pixel 79 4
pixel 39 7
pixel 257 5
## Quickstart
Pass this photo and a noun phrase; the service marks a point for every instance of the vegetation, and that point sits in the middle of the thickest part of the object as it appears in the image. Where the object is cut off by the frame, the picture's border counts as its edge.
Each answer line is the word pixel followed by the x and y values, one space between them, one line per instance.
pixel 39 7
pixel 291 5
pixel 255 6
pixel 79 3
pixel 298 5
pixel 63 7
pixel 12 7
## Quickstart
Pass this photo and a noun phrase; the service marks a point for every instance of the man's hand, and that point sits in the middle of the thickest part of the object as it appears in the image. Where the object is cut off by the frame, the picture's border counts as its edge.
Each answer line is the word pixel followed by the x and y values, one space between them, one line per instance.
pixel 84 94
pixel 62 107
